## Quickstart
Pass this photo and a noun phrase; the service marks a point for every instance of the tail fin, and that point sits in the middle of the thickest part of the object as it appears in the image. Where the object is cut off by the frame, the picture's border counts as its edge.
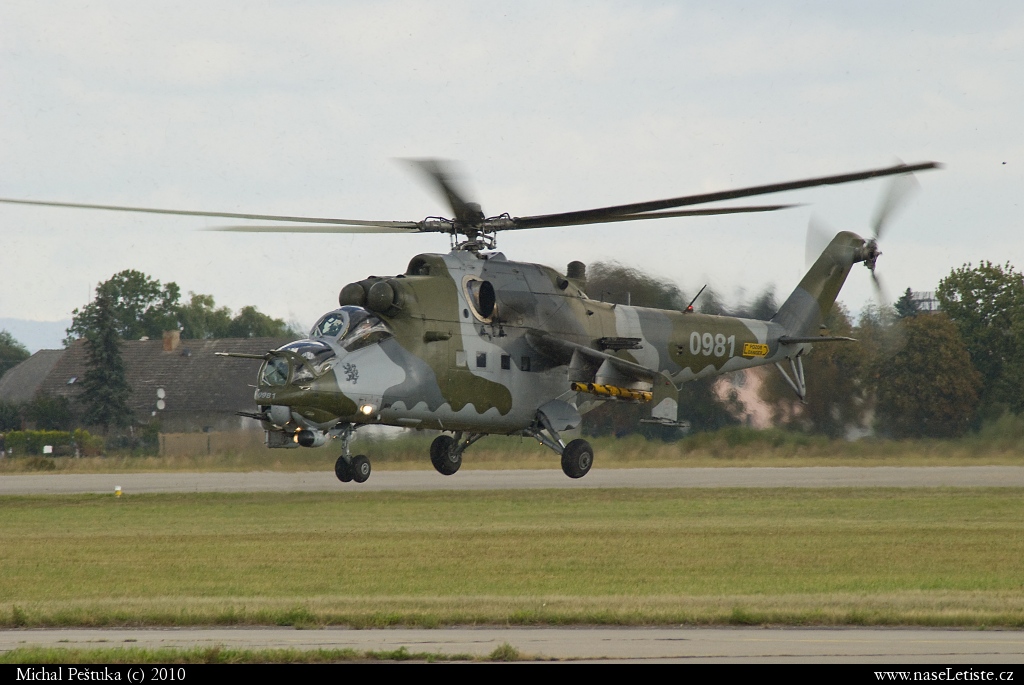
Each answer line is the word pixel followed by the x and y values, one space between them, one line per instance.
pixel 804 310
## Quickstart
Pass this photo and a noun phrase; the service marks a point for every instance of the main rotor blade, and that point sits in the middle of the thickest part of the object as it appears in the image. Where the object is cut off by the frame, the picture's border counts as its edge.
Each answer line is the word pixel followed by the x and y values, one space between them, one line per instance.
pixel 318 228
pixel 602 214
pixel 661 215
pixel 442 174
pixel 222 215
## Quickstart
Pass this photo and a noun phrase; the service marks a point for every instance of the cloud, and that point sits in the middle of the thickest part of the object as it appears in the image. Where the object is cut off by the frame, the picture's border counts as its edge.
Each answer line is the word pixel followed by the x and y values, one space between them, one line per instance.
pixel 301 107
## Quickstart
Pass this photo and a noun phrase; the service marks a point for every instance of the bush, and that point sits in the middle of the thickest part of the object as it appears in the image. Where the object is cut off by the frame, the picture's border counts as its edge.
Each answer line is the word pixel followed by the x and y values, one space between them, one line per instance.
pixel 10 416
pixel 137 440
pixel 63 442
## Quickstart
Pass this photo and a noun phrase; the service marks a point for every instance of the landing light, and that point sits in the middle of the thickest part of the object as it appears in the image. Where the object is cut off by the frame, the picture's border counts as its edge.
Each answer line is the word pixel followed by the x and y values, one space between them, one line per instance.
pixel 367 409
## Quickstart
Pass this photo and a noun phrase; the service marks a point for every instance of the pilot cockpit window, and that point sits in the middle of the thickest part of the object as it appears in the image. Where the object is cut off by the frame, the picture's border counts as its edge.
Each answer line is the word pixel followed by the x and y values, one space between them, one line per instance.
pixel 365 332
pixel 333 325
pixel 353 327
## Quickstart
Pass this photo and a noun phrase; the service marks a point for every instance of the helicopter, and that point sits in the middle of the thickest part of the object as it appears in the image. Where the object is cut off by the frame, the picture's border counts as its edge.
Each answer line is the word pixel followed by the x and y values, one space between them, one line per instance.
pixel 472 344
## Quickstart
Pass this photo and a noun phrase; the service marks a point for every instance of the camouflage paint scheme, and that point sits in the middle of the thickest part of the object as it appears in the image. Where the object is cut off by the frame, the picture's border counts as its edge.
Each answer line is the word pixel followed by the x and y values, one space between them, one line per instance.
pixel 455 320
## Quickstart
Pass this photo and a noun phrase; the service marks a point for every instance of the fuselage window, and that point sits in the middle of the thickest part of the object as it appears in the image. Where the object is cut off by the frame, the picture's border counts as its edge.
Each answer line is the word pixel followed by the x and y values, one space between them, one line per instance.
pixel 506 362
pixel 481 360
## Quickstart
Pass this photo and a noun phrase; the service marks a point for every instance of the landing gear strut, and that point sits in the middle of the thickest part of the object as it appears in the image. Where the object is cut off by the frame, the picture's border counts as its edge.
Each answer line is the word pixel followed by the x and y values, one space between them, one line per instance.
pixel 349 468
pixel 577 456
pixel 446 451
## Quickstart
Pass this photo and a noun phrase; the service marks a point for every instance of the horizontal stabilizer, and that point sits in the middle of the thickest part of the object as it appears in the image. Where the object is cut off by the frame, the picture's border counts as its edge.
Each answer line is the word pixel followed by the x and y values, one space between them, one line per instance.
pixel 791 340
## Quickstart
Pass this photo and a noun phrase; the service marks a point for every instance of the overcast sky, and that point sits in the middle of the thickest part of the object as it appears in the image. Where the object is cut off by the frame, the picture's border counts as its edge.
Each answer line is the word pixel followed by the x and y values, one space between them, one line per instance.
pixel 303 108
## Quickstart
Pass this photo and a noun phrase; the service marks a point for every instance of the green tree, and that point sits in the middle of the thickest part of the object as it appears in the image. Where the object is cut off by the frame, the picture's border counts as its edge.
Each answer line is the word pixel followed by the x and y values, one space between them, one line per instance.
pixel 12 352
pixel 907 305
pixel 201 319
pixel 704 410
pixel 105 389
pixel 929 387
pixel 142 307
pixel 10 416
pixel 986 303
pixel 139 306
pixel 764 306
pixel 710 303
pixel 251 323
pixel 879 334
pixel 50 413
pixel 611 281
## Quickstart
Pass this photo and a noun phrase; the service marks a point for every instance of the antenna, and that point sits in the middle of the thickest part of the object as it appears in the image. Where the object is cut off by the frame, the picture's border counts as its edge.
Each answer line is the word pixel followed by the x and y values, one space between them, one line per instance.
pixel 689 307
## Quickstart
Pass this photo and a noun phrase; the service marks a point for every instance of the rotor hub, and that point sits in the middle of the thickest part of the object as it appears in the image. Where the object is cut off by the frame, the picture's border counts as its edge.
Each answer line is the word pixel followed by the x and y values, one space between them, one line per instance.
pixel 869 254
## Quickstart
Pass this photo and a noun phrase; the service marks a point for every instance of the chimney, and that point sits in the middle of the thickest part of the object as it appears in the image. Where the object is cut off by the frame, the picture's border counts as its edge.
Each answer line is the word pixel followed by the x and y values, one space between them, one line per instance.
pixel 171 340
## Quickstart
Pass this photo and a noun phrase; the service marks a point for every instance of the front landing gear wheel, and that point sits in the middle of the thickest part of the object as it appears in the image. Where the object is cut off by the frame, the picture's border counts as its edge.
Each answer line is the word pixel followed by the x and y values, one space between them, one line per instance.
pixel 577 458
pixel 360 468
pixel 444 456
pixel 343 470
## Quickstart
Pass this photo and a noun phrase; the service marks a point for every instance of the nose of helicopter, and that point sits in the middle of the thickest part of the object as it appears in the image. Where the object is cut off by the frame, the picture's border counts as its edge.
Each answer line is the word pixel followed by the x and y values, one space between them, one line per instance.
pixel 308 389
pixel 339 374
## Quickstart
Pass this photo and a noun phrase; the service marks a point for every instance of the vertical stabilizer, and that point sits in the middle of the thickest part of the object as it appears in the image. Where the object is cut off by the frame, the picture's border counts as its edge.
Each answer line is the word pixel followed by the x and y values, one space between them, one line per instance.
pixel 804 310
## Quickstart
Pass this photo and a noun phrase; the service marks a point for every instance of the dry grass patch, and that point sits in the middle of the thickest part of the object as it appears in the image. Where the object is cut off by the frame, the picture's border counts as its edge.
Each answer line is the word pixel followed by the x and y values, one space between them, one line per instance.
pixel 224 655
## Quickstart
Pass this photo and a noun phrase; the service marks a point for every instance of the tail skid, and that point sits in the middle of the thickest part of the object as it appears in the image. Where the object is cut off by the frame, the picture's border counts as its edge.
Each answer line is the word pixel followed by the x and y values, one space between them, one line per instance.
pixel 803 312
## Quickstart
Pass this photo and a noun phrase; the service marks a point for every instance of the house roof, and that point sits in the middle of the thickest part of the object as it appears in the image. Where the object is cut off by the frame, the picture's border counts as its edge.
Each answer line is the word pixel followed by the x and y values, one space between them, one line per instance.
pixel 192 377
pixel 21 382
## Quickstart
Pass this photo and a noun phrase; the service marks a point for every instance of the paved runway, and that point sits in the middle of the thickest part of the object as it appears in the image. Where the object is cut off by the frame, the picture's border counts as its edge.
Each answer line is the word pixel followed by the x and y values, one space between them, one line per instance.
pixel 315 481
pixel 676 645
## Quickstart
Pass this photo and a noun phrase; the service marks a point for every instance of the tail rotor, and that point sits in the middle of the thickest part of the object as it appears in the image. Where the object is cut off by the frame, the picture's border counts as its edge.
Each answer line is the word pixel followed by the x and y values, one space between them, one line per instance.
pixel 894 198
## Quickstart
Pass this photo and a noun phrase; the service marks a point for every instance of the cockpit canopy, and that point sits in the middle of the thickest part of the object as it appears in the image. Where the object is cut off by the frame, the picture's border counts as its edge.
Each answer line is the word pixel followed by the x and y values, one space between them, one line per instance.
pixel 352 327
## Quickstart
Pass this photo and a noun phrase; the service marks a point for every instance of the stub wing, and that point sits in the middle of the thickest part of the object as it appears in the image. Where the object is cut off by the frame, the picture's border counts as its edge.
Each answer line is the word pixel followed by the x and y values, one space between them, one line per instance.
pixel 587 365
pixel 610 377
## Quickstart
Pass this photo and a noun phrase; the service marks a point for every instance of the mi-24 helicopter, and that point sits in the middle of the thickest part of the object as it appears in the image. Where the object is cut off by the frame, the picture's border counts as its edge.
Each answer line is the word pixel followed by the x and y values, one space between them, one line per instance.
pixel 471 344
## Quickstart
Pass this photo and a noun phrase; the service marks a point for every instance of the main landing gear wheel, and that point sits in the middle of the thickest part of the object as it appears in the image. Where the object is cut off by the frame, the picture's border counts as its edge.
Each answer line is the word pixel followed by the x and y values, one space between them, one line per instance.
pixel 444 455
pixel 343 470
pixel 360 468
pixel 577 458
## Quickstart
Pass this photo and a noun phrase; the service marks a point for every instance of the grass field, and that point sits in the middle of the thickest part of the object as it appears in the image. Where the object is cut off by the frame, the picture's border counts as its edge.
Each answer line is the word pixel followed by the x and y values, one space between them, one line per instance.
pixel 942 557
pixel 223 655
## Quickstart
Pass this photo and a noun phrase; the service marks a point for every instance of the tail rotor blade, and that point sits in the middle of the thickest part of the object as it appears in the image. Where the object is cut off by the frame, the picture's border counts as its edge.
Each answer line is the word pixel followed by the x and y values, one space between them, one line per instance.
pixel 819 235
pixel 899 191
pixel 881 292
